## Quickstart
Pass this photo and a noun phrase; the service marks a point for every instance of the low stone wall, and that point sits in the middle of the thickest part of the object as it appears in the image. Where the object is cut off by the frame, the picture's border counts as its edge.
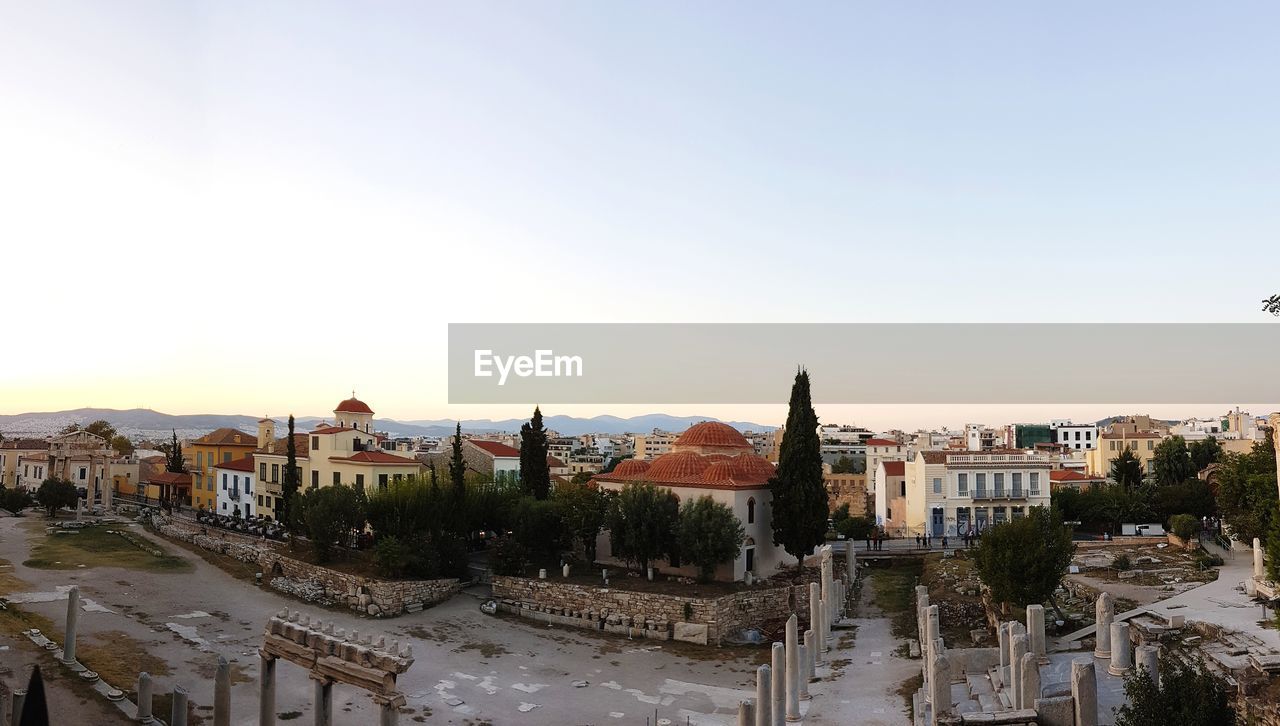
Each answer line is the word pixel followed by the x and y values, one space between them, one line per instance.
pixel 704 620
pixel 320 584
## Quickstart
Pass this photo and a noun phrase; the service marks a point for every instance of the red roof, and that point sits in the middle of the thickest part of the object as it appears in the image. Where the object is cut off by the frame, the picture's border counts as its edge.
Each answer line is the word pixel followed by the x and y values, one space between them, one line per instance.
pixel 353 405
pixel 882 442
pixel 337 430
pixel 227 437
pixel 895 468
pixel 691 469
pixel 245 464
pixel 375 457
pixel 170 477
pixel 713 434
pixel 553 462
pixel 1069 475
pixel 630 467
pixel 493 448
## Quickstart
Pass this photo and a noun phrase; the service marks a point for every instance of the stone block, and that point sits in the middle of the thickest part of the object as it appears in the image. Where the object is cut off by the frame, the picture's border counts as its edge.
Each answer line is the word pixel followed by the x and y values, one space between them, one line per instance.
pixel 691 633
pixel 1056 711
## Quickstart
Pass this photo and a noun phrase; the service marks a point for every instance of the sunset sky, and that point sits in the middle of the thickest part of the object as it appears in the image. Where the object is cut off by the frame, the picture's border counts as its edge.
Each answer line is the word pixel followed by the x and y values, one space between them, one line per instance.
pixel 239 207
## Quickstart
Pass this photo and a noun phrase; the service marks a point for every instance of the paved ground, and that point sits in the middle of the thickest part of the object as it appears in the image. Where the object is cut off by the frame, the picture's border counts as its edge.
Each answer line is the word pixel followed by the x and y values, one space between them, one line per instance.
pixel 470 668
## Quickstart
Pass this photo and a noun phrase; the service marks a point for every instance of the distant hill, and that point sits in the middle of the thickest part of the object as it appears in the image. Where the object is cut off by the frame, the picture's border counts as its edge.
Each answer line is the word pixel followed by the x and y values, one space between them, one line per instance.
pixel 146 423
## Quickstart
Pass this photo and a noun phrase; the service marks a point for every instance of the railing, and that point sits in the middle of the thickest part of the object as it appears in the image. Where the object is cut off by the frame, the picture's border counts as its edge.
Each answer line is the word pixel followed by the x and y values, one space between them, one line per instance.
pixel 999 495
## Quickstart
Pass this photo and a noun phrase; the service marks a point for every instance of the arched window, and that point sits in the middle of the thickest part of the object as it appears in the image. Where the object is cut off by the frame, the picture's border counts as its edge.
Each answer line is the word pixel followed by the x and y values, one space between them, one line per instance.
pixel 751 510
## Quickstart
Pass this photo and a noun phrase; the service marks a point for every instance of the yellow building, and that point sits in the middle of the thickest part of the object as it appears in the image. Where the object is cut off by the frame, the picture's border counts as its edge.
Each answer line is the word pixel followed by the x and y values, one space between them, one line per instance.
pixel 217 447
pixel 1112 443
pixel 11 451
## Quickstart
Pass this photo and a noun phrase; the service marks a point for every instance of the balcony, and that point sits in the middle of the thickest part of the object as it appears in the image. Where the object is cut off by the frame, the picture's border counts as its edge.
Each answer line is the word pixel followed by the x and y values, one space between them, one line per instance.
pixel 999 495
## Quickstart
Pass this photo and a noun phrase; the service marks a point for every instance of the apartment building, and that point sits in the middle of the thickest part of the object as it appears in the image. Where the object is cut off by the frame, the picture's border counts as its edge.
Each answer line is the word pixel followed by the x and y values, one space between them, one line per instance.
pixel 1112 443
pixel 646 447
pixel 221 446
pixel 1077 437
pixel 890 496
pixel 953 492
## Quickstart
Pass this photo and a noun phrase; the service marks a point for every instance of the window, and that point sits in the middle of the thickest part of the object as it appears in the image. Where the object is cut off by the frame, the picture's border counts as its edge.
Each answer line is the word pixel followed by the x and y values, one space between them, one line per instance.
pixel 262 471
pixel 360 482
pixel 83 472
pixel 382 481
pixel 275 472
pixel 315 443
pixel 199 459
pixel 980 483
pixel 224 482
pixel 903 493
pixel 337 478
pixel 1035 482
pixel 1077 436
pixel 997 480
pixel 315 479
pixel 226 457
pixel 259 500
pixel 937 485
pixel 751 510
pixel 1113 446
pixel 1016 478
pixel 208 484
pixel 962 481
pixel 1150 444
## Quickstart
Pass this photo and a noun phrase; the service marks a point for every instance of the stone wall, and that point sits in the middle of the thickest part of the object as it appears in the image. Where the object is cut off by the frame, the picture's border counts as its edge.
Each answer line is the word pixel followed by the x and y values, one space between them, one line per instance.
pixel 312 582
pixel 648 614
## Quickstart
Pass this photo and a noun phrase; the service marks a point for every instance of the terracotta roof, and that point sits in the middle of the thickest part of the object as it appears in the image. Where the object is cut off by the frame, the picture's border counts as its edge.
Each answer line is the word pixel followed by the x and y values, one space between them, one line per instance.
pixel 1069 475
pixel 494 448
pixel 895 468
pixel 300 446
pixel 226 437
pixel 882 442
pixel 171 477
pixel 376 457
pixel 29 444
pixel 245 464
pixel 713 434
pixel 336 430
pixel 691 469
pixel 353 405
pixel 630 467
pixel 553 462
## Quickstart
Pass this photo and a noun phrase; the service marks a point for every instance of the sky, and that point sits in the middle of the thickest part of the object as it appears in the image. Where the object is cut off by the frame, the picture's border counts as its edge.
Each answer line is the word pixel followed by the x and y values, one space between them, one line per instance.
pixel 242 207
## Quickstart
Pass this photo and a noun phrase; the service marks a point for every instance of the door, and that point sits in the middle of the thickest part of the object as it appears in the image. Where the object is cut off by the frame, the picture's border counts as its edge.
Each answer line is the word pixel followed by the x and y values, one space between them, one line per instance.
pixel 937 529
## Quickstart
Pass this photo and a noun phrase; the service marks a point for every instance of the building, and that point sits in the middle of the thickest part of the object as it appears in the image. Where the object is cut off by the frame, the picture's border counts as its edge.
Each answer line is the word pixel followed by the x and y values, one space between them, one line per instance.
pixel 953 492
pixel 1111 443
pixel 890 495
pixel 221 446
pixel 711 459
pixel 236 489
pixel 1077 437
pixel 494 459
pixel 168 486
pixel 651 446
pixel 31 470
pixel 848 489
pixel 271 460
pixel 1070 479
pixel 880 450
pixel 12 451
pixel 1027 436
pixel 348 452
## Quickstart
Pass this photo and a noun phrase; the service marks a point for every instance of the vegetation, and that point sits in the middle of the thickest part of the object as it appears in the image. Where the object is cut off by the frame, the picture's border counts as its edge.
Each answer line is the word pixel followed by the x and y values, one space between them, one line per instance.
pixel 1272 305
pixel 535 475
pixel 292 479
pixel 1171 462
pixel 582 513
pixel 457 464
pixel 1246 494
pixel 1184 526
pixel 1104 508
pixel 710 535
pixel 1188 695
pixel 15 500
pixel 1204 452
pixel 1024 560
pixel 642 522
pixel 173 461
pixel 509 557
pixel 99 546
pixel 54 494
pixel 1121 563
pixel 799 507
pixel 1126 469
pixel 849 526
pixel 122 445
pixel 844 465
pixel 328 515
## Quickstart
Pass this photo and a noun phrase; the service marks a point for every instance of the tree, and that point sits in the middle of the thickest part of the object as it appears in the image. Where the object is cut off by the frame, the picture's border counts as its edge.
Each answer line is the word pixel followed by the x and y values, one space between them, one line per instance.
pixel 1190 497
pixel 54 494
pixel 122 445
pixel 1184 526
pixel 710 535
pixel 174 462
pixel 844 465
pixel 536 524
pixel 1204 452
pixel 1126 469
pixel 799 504
pixel 1171 463
pixel 1246 494
pixel 641 523
pixel 1024 560
pixel 15 500
pixel 328 514
pixel 582 511
pixel 535 475
pixel 1188 695
pixel 457 464
pixel 292 479
pixel 70 428
pixel 102 428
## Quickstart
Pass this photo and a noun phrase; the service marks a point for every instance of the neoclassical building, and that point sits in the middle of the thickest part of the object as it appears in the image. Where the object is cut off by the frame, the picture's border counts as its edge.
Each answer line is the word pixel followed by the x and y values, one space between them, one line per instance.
pixel 711 459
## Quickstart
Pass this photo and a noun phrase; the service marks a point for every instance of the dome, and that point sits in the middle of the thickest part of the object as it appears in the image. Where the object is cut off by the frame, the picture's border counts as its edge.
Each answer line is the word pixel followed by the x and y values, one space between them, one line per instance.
pixel 676 465
pixel 746 468
pixel 353 405
pixel 713 434
pixel 630 468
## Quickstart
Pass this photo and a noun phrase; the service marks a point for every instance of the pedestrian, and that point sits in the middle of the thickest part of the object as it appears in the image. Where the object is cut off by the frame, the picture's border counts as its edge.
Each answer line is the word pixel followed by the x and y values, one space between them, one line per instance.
pixel 917 541
pixel 944 541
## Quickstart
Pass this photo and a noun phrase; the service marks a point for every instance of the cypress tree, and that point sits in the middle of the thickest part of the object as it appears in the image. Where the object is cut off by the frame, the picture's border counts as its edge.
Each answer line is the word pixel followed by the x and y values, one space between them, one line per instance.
pixel 291 477
pixel 799 507
pixel 535 475
pixel 174 462
pixel 458 465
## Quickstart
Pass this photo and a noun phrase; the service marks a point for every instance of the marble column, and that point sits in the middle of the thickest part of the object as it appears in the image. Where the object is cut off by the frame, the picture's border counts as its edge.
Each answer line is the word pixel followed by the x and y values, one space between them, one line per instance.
pixel 764 696
pixel 73 618
pixel 1030 675
pixel 792 656
pixel 324 701
pixel 1259 569
pixel 811 650
pixel 746 713
pixel 388 709
pixel 1035 630
pixel 778 670
pixel 222 693
pixel 851 560
pixel 144 697
pixel 1002 641
pixel 1104 613
pixel 825 609
pixel 1121 650
pixel 804 675
pixel 1084 690
pixel 1017 649
pixel 815 618
pixel 1148 657
pixel 266 689
pixel 178 713
pixel 940 687
pixel 18 700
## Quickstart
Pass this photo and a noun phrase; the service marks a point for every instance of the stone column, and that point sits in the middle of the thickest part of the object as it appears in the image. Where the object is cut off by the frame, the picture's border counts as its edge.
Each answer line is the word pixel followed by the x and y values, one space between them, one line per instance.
pixel 1149 662
pixel 764 696
pixel 389 709
pixel 1002 634
pixel 266 689
pixel 804 673
pixel 815 618
pixel 1017 649
pixel 1121 650
pixel 939 686
pixel 933 624
pixel 1035 630
pixel 324 701
pixel 222 693
pixel 746 713
pixel 792 655
pixel 1104 613
pixel 73 617
pixel 824 606
pixel 1030 675
pixel 144 697
pixel 178 713
pixel 778 670
pixel 1259 570
pixel 811 649
pixel 1084 690
pixel 18 701
pixel 922 606
pixel 851 560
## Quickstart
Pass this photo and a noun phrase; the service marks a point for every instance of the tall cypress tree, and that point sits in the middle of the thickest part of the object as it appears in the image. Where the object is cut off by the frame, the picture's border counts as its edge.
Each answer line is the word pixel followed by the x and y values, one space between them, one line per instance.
pixel 174 461
pixel 535 475
pixel 291 479
pixel 458 465
pixel 799 507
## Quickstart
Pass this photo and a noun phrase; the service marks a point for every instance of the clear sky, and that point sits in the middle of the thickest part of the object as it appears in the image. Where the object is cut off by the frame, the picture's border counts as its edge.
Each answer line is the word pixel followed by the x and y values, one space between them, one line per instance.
pixel 249 207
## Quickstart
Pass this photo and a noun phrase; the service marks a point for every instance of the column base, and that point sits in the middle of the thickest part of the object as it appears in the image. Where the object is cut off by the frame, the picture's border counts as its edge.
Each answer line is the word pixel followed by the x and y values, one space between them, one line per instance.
pixel 1119 671
pixel 1103 654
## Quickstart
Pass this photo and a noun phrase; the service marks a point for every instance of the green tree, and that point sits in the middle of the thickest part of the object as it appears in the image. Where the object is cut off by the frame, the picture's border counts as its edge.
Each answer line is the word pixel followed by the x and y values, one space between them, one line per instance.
pixel 856 527
pixel 1184 525
pixel 583 511
pixel 457 464
pixel 1126 469
pixel 327 515
pixel 844 465
pixel 1171 463
pixel 102 428
pixel 1190 497
pixel 1188 695
pixel 173 461
pixel 641 523
pixel 1024 560
pixel 1204 452
pixel 1246 493
pixel 292 479
pixel 710 535
pixel 537 525
pixel 535 475
pixel 15 500
pixel 799 504
pixel 54 494
pixel 122 445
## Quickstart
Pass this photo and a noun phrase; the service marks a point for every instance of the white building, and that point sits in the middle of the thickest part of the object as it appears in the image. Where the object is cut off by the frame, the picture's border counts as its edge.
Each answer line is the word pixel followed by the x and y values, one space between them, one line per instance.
pixel 237 491
pixel 1077 437
pixel 504 461
pixel 949 492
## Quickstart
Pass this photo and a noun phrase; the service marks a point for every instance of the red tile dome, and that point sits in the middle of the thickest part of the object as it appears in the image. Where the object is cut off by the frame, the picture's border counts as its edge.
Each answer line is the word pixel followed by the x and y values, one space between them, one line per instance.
pixel 630 468
pixel 746 468
pixel 713 434
pixel 676 465
pixel 353 405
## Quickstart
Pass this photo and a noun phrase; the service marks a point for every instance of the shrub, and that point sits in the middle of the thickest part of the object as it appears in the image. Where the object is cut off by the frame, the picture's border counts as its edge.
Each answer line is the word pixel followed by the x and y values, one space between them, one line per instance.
pixel 1121 563
pixel 509 557
pixel 15 500
pixel 1184 526
pixel 855 527
pixel 710 534
pixel 390 556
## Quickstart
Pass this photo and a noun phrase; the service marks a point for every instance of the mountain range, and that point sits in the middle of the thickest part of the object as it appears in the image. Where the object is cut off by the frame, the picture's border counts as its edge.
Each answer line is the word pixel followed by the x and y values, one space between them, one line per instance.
pixel 146 423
